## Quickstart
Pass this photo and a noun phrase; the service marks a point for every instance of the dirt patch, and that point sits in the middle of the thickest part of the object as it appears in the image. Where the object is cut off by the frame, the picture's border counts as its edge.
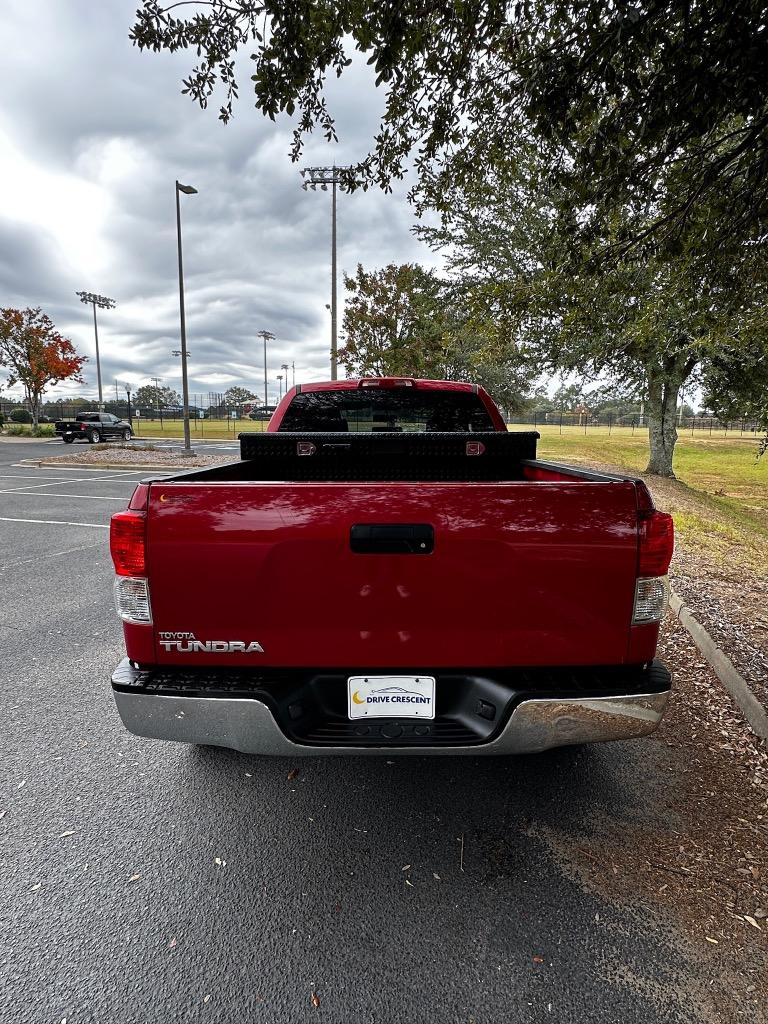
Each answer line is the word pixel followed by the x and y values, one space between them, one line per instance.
pixel 734 611
pixel 696 850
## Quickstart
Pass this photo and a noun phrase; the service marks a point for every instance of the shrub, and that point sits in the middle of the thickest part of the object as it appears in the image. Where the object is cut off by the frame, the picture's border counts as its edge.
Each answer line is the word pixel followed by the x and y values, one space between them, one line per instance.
pixel 20 416
pixel 24 430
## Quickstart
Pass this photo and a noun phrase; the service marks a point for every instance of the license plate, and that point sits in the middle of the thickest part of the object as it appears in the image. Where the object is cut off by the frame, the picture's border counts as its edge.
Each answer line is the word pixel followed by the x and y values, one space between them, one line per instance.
pixel 391 696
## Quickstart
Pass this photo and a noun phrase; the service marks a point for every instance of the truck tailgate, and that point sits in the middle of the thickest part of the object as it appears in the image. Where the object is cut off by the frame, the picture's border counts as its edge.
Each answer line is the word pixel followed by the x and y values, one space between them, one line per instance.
pixel 521 574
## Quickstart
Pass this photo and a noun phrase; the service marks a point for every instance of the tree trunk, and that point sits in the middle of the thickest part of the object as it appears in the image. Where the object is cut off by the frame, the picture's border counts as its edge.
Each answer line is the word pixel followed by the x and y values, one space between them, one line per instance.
pixel 34 408
pixel 662 424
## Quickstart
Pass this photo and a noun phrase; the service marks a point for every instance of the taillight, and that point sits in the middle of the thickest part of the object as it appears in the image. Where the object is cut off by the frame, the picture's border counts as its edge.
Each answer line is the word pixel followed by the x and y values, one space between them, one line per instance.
pixel 651 597
pixel 127 542
pixel 656 543
pixel 132 599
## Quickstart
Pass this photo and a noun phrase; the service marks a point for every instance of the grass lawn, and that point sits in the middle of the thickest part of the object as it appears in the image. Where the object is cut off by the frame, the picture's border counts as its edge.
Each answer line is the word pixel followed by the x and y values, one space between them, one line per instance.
pixel 209 430
pixel 720 499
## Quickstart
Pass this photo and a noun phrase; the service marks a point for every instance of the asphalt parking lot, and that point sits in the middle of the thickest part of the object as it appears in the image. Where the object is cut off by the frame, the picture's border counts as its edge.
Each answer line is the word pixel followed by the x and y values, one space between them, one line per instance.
pixel 156 882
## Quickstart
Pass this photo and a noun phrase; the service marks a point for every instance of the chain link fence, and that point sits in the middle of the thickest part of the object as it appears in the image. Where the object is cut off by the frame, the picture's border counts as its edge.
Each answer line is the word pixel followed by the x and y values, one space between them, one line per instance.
pixel 145 419
pixel 694 425
pixel 212 408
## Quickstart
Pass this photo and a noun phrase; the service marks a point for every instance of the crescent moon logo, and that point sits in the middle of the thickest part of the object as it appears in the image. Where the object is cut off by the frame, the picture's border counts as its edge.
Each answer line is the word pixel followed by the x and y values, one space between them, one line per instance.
pixel 163 498
pixel 356 699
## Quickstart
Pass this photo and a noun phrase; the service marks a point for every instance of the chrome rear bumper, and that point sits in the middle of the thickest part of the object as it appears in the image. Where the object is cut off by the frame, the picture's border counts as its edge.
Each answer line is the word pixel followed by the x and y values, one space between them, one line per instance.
pixel 248 725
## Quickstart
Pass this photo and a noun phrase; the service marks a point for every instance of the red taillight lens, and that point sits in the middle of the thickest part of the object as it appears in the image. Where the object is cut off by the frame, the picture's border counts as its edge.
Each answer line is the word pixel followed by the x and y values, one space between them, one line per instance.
pixel 657 543
pixel 127 543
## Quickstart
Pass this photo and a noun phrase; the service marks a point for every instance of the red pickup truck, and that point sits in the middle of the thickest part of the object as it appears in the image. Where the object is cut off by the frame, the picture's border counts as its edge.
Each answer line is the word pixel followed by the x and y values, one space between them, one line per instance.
pixel 388 569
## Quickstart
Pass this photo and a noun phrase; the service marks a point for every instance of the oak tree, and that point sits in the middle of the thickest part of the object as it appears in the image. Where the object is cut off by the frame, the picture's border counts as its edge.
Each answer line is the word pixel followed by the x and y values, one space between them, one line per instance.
pixel 653 322
pixel 623 92
pixel 405 321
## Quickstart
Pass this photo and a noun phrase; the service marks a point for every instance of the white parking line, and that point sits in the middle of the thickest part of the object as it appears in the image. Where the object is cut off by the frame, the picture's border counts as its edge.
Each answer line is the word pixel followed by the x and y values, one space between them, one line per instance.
pixel 50 554
pixel 54 522
pixel 116 473
pixel 50 494
pixel 51 483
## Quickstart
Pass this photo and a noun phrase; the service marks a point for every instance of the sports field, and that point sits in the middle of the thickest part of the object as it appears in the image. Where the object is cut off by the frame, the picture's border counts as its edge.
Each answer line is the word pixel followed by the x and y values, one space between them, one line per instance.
pixel 720 499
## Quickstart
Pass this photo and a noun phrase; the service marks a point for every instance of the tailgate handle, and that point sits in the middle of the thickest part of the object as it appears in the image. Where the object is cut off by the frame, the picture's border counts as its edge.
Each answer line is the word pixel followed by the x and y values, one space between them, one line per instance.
pixel 392 539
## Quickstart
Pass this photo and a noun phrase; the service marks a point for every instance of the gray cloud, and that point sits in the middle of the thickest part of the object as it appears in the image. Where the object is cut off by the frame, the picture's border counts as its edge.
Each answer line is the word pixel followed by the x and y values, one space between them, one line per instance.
pixel 97 132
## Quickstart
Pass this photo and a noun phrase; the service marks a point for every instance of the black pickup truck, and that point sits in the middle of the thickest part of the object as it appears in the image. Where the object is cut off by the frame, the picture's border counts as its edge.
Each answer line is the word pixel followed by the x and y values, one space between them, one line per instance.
pixel 93 427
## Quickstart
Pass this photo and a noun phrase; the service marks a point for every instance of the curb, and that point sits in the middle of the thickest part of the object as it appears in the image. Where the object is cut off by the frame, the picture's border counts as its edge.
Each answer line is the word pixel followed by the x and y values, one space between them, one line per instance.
pixel 723 668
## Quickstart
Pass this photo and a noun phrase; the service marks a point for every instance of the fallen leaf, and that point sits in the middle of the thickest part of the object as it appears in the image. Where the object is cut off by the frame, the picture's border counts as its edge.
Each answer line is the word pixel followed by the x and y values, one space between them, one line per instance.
pixel 134 878
pixel 538 959
pixel 407 867
pixel 713 941
pixel 315 998
pixel 69 832
pixel 35 887
pixel 172 944
pixel 248 775
pixel 292 774
pixel 22 784
pixel 207 999
pixel 436 876
pixel 753 922
pixel 409 882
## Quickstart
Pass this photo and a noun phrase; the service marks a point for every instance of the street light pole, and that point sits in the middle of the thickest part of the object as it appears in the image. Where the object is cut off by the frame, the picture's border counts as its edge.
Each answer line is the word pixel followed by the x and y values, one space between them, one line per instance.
pixel 189 191
pixel 334 300
pixel 266 336
pixel 90 298
pixel 279 386
pixel 284 366
pixel 322 177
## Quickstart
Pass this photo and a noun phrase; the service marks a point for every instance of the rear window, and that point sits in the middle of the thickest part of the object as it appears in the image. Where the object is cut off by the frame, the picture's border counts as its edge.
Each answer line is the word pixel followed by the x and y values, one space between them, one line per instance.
pixel 398 410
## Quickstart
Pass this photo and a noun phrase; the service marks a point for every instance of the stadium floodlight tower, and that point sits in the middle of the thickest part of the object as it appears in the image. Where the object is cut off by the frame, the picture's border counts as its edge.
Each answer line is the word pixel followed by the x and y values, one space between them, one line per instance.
pixel 322 177
pixel 265 337
pixel 92 299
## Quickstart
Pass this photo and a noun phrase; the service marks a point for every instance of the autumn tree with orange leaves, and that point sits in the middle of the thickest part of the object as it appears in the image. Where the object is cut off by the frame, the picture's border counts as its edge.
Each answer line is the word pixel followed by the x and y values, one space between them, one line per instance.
pixel 35 354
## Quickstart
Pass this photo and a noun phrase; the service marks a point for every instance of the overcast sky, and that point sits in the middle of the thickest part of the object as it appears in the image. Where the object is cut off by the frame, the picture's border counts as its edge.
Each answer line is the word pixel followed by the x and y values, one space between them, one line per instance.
pixel 94 133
